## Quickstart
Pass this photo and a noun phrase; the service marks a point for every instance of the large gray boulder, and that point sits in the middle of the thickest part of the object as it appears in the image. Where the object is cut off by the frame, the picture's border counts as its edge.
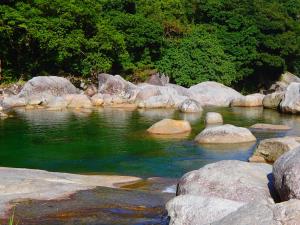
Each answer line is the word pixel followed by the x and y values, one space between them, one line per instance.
pixel 233 180
pixel 213 118
pixel 199 210
pixel 269 150
pixel 116 86
pixel 291 100
pixel 257 213
pixel 213 94
pixel 284 81
pixel 272 101
pixel 157 79
pixel 286 172
pixel 47 86
pixel 253 100
pixel 225 134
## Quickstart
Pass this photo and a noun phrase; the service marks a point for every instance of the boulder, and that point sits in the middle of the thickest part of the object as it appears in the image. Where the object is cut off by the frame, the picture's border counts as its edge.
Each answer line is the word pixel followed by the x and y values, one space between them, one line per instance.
pixel 225 134
pixel 253 100
pixel 157 79
pixel 47 85
pixel 291 100
pixel 78 101
pixel 213 118
pixel 269 150
pixel 211 93
pixel 270 127
pixel 13 101
pixel 169 126
pixel 272 101
pixel 97 100
pixel 91 90
pixel 160 101
pixel 147 91
pixel 286 170
pixel 57 103
pixel 285 213
pixel 190 106
pixel 116 86
pixel 284 81
pixel 231 179
pixel 199 210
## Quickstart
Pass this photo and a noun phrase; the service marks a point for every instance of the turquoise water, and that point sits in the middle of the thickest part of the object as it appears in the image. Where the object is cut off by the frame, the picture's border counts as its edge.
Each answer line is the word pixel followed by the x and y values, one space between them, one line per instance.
pixel 115 141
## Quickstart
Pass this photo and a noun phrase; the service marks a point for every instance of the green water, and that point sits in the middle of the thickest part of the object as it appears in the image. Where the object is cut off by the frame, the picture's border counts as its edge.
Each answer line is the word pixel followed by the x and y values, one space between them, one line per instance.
pixel 114 141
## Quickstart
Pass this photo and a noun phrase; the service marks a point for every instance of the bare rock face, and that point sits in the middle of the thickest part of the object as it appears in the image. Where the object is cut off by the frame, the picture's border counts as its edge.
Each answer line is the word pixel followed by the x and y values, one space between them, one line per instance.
pixel 157 79
pixel 213 94
pixel 269 150
pixel 231 179
pixel 272 101
pixel 253 100
pixel 270 127
pixel 285 213
pixel 225 134
pixel 286 172
pixel 47 85
pixel 213 118
pixel 116 86
pixel 169 126
pixel 91 90
pixel 291 100
pixel 190 106
pixel 13 101
pixel 199 210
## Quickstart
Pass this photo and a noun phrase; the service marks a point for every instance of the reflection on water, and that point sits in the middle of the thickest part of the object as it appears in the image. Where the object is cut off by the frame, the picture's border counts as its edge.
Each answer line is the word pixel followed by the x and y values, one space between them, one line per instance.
pixel 115 141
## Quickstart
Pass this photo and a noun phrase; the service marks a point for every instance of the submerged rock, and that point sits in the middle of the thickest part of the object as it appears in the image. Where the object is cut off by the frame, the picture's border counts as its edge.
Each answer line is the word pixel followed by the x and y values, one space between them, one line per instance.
pixel 213 94
pixel 291 100
pixel 199 210
pixel 269 150
pixel 286 172
pixel 233 180
pixel 270 127
pixel 253 100
pixel 272 101
pixel 169 126
pixel 190 106
pixel 213 118
pixel 225 134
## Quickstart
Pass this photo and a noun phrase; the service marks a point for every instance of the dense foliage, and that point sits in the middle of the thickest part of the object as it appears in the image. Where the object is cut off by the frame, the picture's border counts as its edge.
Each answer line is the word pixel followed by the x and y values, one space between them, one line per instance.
pixel 190 40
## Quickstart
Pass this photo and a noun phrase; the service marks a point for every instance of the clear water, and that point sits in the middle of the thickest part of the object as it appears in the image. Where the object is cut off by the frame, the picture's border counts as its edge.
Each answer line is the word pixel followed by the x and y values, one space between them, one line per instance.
pixel 115 141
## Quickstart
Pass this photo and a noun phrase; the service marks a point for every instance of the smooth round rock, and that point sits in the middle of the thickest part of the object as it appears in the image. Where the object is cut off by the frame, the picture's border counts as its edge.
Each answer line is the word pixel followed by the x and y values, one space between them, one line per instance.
pixel 213 118
pixel 270 127
pixel 169 126
pixel 225 134
pixel 190 106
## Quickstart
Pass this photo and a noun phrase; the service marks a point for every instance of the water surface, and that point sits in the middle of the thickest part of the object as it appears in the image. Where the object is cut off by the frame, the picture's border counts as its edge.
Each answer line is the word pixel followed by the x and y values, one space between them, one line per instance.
pixel 115 141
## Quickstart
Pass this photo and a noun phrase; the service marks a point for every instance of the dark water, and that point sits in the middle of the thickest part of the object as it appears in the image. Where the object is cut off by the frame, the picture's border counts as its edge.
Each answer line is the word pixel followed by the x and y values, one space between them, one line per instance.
pixel 114 141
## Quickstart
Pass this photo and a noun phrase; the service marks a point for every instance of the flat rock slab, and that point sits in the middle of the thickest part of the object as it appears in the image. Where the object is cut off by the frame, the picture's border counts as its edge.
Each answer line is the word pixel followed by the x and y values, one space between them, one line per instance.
pixel 101 206
pixel 169 126
pixel 270 127
pixel 43 185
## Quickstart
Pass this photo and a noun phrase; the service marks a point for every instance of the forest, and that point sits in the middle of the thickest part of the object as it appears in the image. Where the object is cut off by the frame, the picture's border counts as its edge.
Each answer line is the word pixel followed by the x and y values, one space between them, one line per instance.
pixel 249 42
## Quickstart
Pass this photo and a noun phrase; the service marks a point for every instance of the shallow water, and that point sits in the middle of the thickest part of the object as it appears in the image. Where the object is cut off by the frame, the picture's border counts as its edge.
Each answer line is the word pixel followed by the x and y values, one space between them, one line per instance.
pixel 115 141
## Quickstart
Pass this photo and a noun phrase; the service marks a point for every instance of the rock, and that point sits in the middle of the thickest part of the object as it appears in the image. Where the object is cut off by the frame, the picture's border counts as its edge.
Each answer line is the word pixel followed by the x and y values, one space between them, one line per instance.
pixel 47 85
pixel 285 213
pixel 147 91
pixel 225 134
pixel 271 149
pixel 286 170
pixel 251 214
pixel 43 185
pixel 253 100
pixel 169 126
pixel 291 100
pixel 199 210
pixel 78 101
pixel 97 100
pixel 284 81
pixel 160 101
pixel 13 101
pixel 270 127
pixel 116 86
pixel 230 179
pixel 3 115
pixel 211 93
pixel 91 90
pixel 272 101
pixel 157 79
pixel 190 106
pixel 213 118
pixel 57 103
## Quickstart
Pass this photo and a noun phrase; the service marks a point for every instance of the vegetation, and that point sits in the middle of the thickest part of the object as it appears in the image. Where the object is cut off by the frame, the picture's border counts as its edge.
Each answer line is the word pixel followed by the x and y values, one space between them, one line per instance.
pixel 229 41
